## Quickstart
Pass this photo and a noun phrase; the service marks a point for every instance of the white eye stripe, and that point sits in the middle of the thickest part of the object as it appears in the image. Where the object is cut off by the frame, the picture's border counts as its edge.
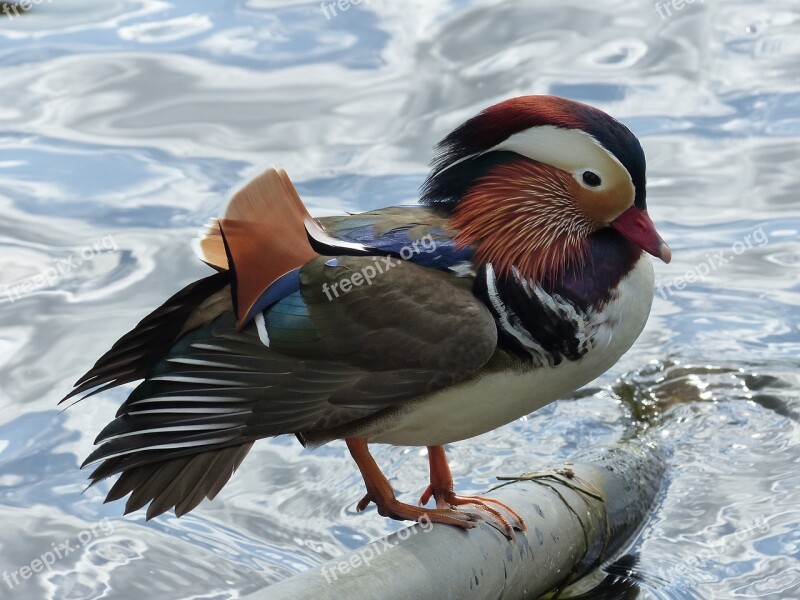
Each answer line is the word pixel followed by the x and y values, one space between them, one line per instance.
pixel 570 150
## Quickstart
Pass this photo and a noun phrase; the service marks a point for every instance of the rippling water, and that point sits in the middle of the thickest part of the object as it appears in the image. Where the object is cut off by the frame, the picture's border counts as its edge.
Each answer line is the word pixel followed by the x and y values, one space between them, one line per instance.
pixel 123 126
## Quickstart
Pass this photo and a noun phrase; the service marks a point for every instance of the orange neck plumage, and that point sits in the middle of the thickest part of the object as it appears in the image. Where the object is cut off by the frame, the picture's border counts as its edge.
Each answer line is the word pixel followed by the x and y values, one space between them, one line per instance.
pixel 522 214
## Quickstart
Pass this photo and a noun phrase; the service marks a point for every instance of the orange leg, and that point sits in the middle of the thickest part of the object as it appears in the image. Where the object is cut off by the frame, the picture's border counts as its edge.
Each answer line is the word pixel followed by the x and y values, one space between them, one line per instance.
pixel 441 489
pixel 380 492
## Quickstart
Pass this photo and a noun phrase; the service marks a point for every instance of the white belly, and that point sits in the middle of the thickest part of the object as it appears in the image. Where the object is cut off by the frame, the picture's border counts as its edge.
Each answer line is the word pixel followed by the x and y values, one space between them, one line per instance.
pixel 473 408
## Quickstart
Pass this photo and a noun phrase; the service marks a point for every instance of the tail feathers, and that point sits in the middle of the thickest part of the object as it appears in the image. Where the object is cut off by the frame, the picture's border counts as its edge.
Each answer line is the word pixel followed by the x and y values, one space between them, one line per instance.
pixel 270 199
pixel 139 448
pixel 180 482
pixel 136 427
pixel 210 248
pixel 139 350
pixel 261 238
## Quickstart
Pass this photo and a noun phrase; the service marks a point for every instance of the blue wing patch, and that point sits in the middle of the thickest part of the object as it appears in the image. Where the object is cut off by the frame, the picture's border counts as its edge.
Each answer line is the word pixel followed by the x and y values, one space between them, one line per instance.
pixel 436 249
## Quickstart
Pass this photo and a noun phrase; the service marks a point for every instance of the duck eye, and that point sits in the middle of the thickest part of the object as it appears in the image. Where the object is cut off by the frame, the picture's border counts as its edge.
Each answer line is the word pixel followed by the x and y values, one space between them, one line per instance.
pixel 591 179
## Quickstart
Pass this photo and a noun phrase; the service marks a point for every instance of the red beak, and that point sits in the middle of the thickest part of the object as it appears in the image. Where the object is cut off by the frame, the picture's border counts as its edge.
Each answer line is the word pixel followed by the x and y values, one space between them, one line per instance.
pixel 637 227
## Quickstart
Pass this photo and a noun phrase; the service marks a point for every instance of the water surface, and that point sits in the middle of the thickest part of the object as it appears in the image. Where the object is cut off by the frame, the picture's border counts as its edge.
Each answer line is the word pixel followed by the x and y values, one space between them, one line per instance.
pixel 123 127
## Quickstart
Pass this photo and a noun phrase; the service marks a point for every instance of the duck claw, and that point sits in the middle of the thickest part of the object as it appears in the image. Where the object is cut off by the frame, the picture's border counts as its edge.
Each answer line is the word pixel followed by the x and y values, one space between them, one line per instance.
pixel 492 514
pixel 394 509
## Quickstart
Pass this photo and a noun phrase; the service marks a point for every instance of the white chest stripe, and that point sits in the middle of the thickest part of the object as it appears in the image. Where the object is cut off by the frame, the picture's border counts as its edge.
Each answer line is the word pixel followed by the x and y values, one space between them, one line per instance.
pixel 506 315
pixel 557 304
pixel 262 328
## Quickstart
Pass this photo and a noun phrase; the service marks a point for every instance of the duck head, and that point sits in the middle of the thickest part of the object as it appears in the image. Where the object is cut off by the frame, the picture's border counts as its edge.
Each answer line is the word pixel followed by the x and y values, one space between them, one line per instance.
pixel 527 182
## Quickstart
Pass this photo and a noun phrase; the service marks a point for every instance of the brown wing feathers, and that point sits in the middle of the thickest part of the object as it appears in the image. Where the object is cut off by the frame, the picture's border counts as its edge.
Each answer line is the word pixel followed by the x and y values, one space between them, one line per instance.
pixel 136 352
pixel 265 237
pixel 182 481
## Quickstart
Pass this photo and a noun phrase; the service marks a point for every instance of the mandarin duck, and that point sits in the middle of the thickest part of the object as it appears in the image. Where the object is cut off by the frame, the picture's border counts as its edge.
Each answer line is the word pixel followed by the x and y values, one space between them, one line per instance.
pixel 520 277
